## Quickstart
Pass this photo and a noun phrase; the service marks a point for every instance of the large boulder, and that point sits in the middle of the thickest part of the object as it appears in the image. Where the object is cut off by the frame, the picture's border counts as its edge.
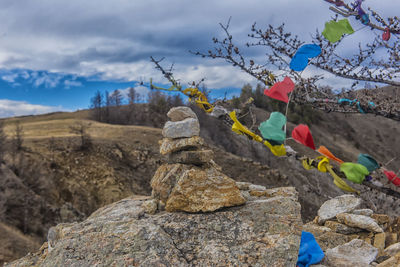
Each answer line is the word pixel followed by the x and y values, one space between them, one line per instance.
pixel 189 188
pixel 264 232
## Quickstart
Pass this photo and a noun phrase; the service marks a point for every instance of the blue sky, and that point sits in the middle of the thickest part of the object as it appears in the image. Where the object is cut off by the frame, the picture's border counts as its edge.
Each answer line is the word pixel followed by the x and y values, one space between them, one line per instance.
pixel 55 54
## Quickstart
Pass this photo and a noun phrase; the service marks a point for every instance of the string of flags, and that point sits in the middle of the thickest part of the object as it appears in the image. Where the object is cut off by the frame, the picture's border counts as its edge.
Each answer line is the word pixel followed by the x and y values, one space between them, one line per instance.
pixel 272 130
pixel 193 93
pixel 334 30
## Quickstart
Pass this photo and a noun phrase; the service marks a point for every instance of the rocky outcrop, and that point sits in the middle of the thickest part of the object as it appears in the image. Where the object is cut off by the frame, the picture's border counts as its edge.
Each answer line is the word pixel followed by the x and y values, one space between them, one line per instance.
pixel 264 232
pixel 190 181
pixel 357 234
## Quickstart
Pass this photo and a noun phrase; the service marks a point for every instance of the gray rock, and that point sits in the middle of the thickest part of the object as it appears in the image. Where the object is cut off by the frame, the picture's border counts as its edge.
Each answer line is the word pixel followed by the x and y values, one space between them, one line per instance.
pixel 342 228
pixel 365 212
pixel 243 185
pixel 181 113
pixel 354 253
pixel 261 233
pixel 282 191
pixel 180 129
pixel 340 204
pixel 168 145
pixel 359 221
pixel 219 111
pixel 255 187
pixel 392 249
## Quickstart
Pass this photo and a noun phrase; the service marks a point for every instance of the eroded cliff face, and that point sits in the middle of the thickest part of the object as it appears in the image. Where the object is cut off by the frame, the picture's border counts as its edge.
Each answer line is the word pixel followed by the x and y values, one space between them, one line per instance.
pixel 263 232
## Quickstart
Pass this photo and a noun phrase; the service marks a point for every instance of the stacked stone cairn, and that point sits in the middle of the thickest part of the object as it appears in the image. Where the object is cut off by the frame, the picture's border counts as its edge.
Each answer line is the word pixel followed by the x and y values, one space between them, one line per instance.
pixel 352 236
pixel 190 180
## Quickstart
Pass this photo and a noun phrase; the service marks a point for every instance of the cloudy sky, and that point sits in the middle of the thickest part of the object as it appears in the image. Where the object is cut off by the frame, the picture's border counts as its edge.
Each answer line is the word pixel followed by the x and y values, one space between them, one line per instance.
pixel 55 54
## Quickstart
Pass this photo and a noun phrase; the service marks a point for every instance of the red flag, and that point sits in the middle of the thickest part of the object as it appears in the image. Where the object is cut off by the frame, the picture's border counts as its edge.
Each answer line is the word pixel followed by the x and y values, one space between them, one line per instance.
pixel 280 90
pixel 386 35
pixel 303 135
pixel 392 177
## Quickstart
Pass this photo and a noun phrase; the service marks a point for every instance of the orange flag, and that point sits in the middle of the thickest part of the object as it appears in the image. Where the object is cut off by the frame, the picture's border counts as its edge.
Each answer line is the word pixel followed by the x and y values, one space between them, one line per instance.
pixel 324 151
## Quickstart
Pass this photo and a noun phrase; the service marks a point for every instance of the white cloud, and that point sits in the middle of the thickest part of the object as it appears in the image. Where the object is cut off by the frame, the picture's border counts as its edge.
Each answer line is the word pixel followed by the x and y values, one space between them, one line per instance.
pixel 47 80
pixel 116 38
pixel 70 83
pixel 11 108
pixel 10 77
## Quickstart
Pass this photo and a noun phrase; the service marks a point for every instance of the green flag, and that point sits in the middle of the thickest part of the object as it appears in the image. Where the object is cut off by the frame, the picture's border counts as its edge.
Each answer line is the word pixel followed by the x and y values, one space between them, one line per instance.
pixel 368 161
pixel 334 30
pixel 354 172
pixel 272 129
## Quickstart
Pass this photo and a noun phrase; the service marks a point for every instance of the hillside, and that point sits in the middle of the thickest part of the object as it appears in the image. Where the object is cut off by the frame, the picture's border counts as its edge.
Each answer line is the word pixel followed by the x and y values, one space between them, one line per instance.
pixel 52 181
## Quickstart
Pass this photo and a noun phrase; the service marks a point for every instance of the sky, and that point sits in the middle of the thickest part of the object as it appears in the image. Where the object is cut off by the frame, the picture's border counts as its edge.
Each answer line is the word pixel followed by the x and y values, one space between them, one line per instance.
pixel 55 54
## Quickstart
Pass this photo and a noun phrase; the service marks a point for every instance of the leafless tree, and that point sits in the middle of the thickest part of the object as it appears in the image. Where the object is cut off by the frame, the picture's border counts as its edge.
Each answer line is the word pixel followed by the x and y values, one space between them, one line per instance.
pixel 281 45
pixel 116 98
pixel 132 96
pixel 96 106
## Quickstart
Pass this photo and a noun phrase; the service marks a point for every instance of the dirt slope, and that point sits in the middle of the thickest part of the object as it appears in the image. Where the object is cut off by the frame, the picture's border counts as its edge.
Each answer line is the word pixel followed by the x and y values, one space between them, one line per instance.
pixel 50 181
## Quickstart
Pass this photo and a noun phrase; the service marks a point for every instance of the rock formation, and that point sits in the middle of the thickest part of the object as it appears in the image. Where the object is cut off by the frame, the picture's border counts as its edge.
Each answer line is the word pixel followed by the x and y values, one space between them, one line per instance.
pixel 190 181
pixel 350 236
pixel 264 232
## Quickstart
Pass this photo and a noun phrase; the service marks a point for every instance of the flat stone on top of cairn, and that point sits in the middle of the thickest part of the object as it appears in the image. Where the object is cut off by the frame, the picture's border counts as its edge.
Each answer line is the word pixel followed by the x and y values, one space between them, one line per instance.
pixel 181 113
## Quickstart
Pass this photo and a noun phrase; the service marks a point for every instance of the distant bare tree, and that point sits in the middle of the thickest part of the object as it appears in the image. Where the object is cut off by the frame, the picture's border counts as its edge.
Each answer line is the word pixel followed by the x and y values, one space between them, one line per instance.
pixel 177 100
pixel 132 95
pixel 96 105
pixel 81 129
pixel 116 98
pixel 158 102
pixel 107 105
